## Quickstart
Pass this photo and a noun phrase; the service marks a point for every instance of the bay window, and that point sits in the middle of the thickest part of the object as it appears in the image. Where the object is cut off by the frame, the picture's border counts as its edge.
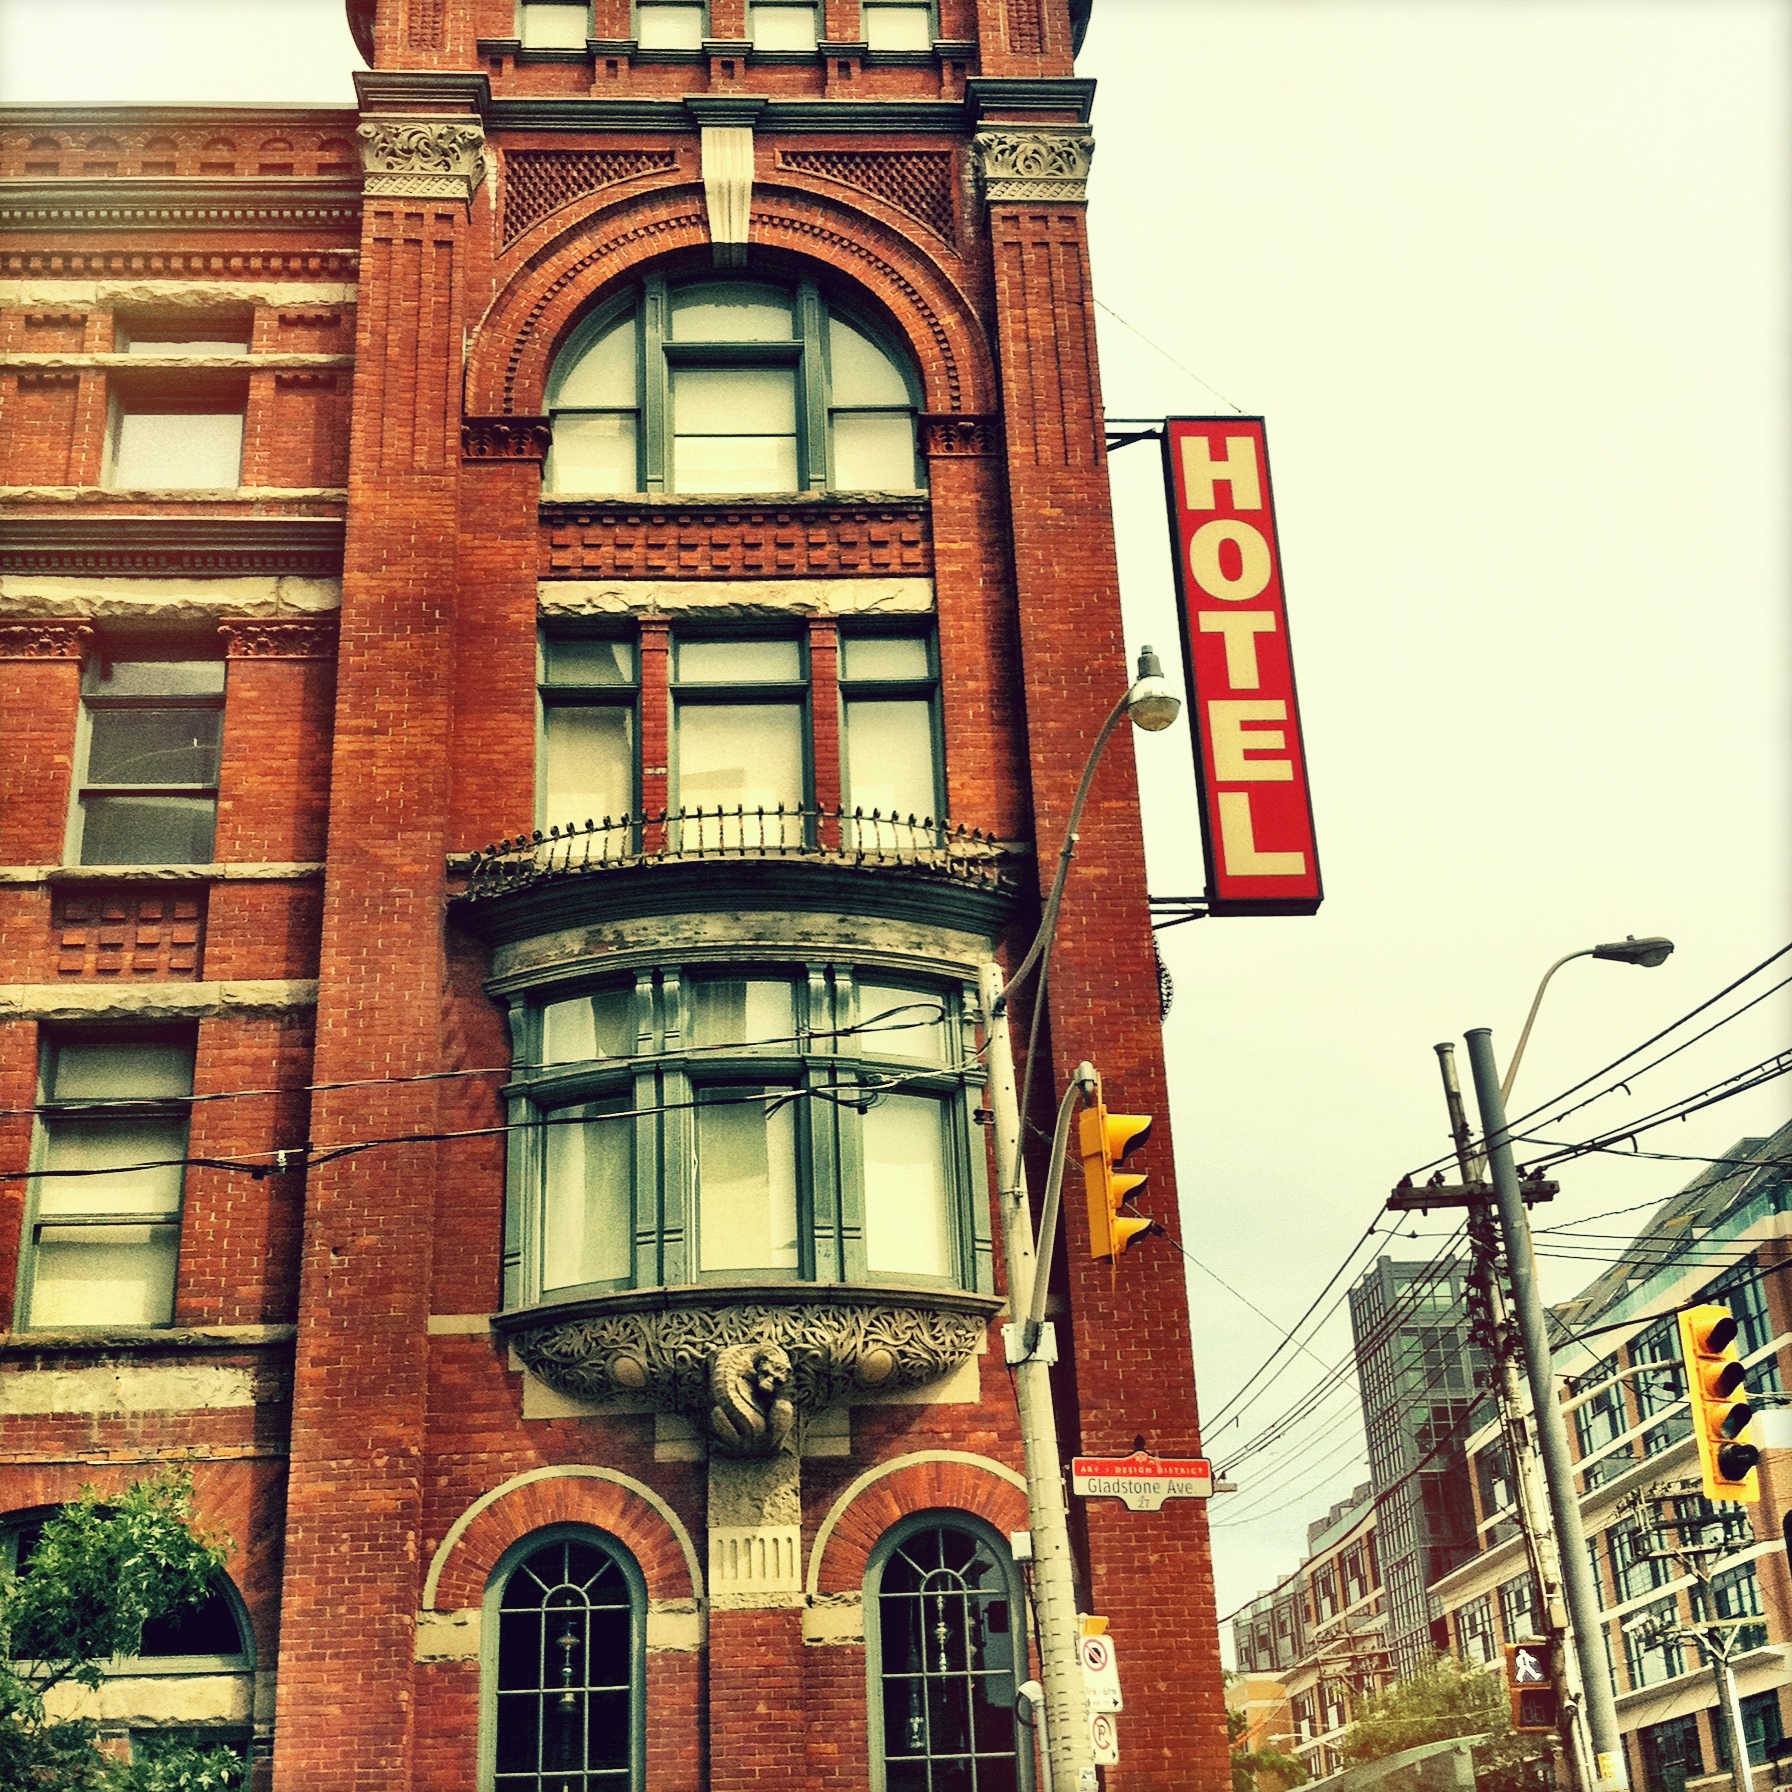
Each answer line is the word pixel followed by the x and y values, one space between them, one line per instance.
pixel 745 1123
pixel 737 386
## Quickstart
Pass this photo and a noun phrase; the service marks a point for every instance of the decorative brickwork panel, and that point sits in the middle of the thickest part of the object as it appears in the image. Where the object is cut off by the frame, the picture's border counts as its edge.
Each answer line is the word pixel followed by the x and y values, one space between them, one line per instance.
pixel 950 434
pixel 919 182
pixel 151 149
pixel 426 24
pixel 637 542
pixel 506 438
pixel 128 931
pixel 1026 28
pixel 539 181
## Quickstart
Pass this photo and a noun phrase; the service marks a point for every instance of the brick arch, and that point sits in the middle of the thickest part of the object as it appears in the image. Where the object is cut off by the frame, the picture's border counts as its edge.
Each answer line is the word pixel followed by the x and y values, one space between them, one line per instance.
pixel 603 1498
pixel 552 289
pixel 934 1480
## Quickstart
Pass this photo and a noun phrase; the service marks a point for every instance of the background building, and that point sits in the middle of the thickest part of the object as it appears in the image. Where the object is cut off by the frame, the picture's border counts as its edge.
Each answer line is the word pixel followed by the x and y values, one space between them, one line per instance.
pixel 664 441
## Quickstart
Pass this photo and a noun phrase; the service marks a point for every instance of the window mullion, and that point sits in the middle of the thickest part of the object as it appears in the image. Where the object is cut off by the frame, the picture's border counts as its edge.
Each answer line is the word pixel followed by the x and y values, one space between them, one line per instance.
pixel 810 317
pixel 655 405
pixel 823 1156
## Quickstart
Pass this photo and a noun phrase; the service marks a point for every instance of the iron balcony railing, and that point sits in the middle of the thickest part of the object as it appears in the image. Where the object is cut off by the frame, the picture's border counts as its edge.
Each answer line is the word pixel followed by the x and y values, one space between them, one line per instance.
pixel 842 837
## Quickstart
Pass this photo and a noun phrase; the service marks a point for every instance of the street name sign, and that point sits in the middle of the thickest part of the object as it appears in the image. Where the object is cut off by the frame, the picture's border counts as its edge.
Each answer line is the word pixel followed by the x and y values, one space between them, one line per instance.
pixel 1143 1482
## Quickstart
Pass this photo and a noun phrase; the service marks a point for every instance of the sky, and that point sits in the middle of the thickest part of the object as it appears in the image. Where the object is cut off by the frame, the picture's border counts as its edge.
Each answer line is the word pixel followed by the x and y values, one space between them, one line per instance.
pixel 1509 284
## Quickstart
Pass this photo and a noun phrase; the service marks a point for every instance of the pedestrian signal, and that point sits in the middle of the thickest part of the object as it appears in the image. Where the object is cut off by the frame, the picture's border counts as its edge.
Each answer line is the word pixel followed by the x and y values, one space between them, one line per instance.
pixel 1531 1685
pixel 1716 1386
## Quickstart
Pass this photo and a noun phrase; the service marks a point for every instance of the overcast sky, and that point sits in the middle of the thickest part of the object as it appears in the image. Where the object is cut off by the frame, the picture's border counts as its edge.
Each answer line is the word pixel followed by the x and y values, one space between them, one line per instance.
pixel 1509 284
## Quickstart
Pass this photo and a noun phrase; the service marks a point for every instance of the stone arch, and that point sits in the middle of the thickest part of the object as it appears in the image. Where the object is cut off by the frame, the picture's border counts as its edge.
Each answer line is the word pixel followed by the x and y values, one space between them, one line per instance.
pixel 929 1480
pixel 603 1498
pixel 554 287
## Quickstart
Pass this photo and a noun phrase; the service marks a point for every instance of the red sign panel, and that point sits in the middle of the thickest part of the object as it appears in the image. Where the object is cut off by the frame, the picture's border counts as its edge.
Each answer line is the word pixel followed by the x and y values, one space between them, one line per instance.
pixel 1256 816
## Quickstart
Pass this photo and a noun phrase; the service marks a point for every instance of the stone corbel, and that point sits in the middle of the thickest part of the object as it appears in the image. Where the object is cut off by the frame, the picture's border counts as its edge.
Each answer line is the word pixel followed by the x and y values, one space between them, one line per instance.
pixel 422 158
pixel 1035 164
pixel 727 137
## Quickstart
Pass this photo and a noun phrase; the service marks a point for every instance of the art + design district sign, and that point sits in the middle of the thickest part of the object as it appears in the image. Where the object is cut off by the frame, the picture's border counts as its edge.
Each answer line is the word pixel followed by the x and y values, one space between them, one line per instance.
pixel 1143 1482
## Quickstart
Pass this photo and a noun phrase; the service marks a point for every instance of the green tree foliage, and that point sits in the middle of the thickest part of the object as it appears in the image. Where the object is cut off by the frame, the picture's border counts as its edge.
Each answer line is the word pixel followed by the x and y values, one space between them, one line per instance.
pixel 1247 1763
pixel 97 1575
pixel 1443 1700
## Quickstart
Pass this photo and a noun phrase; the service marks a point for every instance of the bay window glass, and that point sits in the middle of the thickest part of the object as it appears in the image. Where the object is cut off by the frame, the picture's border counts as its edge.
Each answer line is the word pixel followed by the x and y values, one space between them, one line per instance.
pixel 588 731
pixel 588 1027
pixel 590 1195
pixel 897 1022
pixel 746 1182
pixel 907 1201
pixel 104 1241
pixel 712 386
pixel 887 695
pixel 753 1012
pixel 782 24
pixel 739 767
pixel 668 25
pixel 147 787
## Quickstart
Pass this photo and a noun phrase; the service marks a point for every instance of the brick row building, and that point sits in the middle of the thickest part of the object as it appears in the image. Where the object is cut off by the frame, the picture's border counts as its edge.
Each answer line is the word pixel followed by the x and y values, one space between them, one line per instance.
pixel 663 440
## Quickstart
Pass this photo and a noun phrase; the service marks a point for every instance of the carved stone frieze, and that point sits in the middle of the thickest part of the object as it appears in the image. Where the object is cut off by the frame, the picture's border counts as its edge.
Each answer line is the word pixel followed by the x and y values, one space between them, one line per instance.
pixel 1033 165
pixel 505 438
pixel 422 158
pixel 949 434
pixel 44 640
pixel 249 639
pixel 745 1362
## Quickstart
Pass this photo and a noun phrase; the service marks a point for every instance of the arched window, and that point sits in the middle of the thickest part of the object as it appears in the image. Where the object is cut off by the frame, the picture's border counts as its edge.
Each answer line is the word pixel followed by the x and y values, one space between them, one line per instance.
pixel 948 1652
pixel 731 386
pixel 565 1662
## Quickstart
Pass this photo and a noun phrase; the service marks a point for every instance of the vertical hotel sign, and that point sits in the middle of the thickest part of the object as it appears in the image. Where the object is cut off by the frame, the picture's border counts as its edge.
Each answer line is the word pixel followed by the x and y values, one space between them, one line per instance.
pixel 1256 816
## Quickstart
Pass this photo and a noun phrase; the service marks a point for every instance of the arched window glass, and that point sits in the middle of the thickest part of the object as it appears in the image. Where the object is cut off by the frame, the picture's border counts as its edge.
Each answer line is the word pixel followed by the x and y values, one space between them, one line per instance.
pixel 948 1656
pixel 564 1710
pixel 737 386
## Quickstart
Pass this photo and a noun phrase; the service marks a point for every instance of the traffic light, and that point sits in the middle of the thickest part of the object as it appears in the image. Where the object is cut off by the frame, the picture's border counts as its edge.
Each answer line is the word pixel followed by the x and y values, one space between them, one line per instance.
pixel 1720 1410
pixel 1531 1685
pixel 1105 1141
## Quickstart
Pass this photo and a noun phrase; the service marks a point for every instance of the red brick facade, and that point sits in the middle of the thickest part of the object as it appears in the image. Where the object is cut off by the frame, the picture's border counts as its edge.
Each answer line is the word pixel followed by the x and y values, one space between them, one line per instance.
pixel 373 586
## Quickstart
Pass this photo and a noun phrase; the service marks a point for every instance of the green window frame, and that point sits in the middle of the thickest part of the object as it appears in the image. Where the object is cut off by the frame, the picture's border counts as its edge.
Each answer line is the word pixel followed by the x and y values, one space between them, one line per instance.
pixel 575 1696
pixel 629 1167
pixel 731 387
pixel 892 751
pixel 946 1654
pixel 588 733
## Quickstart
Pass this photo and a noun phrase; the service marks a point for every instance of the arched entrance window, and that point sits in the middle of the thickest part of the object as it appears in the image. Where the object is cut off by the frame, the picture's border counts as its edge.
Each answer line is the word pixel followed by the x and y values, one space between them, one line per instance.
pixel 564 1666
pixel 948 1650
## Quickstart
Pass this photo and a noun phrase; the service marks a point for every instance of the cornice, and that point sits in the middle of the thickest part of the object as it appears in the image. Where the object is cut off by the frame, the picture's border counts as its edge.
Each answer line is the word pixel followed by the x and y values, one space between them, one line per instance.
pixel 449 91
pixel 162 546
pixel 277 202
pixel 846 116
pixel 26 117
pixel 1007 93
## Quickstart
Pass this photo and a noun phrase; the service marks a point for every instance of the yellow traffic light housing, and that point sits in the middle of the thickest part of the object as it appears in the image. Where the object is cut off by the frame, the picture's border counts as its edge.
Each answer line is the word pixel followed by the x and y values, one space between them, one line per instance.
pixel 1105 1140
pixel 1715 1386
pixel 1531 1686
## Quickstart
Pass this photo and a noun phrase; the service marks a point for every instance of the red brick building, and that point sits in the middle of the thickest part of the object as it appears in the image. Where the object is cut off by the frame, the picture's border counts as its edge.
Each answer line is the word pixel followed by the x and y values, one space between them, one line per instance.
pixel 664 440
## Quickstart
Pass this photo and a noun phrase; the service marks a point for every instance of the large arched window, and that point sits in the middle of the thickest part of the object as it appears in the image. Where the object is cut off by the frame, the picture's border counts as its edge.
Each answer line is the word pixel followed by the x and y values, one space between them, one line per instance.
pixel 948 1652
pixel 731 386
pixel 565 1656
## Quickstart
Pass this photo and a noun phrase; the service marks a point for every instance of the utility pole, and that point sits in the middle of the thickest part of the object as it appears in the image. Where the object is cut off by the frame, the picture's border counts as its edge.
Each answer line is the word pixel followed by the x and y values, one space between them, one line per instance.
pixel 1054 1589
pixel 1529 1495
pixel 1580 1594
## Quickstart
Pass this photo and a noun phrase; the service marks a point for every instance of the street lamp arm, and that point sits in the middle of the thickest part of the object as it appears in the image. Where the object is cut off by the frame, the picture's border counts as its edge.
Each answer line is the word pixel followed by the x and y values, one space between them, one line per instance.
pixel 1530 1019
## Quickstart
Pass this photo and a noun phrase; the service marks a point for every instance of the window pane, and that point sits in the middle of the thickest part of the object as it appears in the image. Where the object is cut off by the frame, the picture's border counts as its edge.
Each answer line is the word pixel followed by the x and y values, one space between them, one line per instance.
pixel 553 27
pixel 725 1012
pixel 734 401
pixel 594 452
pixel 916 1026
pixel 661 27
pixel 730 311
pixel 587 1027
pixel 746 1183
pixel 178 451
pixel 111 1150
pixel 874 451
pixel 735 463
pixel 86 1069
pixel 783 28
pixel 746 755
pixel 740 662
pixel 588 1229
pixel 884 656
pixel 147 830
pixel 153 746
pixel 889 758
pixel 590 662
pixel 589 770
pixel 907 1213
pixel 153 678
pixel 603 375
pixel 860 372
pixel 104 1275
pixel 897 27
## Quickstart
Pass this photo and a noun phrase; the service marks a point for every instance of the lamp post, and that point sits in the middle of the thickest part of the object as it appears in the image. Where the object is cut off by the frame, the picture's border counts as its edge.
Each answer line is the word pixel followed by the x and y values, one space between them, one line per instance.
pixel 1579 1592
pixel 1151 705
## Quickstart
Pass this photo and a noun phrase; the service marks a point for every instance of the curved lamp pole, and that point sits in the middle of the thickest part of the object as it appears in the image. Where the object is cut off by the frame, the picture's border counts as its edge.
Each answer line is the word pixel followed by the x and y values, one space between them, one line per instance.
pixel 1151 705
pixel 1580 1594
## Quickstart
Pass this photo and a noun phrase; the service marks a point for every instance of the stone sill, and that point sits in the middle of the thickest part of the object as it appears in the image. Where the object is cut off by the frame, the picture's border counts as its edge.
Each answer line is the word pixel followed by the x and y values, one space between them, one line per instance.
pixel 224 494
pixel 143 1337
pixel 165 363
pixel 244 871
pixel 699 501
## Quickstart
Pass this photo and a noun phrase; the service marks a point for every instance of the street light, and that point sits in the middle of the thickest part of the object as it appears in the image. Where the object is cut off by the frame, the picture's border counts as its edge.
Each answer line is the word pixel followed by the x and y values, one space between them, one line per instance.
pixel 1152 705
pixel 1629 950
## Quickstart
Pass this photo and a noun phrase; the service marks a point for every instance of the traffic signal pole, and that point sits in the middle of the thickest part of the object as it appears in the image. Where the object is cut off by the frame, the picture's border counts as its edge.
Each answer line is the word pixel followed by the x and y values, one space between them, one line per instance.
pixel 1609 1773
pixel 1054 1589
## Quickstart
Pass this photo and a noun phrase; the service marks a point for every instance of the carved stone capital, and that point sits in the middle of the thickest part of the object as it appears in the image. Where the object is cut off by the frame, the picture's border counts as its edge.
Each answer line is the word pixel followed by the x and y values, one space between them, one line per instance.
pixel 950 434
pixel 44 640
pixel 249 639
pixel 744 1361
pixel 422 158
pixel 1034 165
pixel 505 438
